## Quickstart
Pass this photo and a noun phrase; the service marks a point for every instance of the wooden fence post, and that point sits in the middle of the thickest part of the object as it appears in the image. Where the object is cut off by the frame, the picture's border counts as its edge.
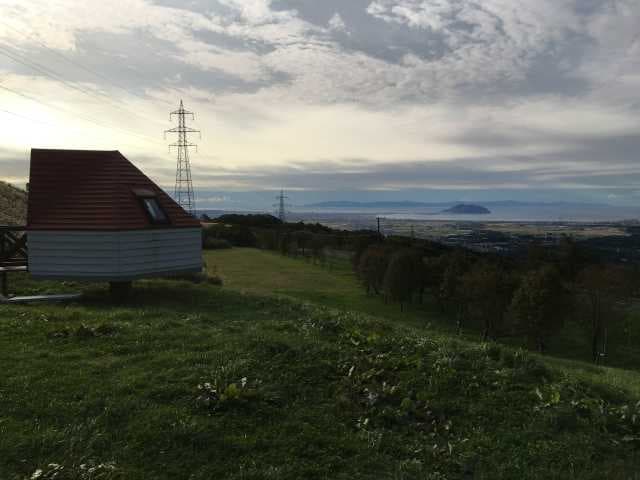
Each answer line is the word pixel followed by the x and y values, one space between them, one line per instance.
pixel 4 273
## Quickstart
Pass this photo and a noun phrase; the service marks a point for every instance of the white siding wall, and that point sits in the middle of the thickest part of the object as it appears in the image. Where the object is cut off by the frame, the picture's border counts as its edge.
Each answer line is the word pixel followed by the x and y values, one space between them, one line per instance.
pixel 114 255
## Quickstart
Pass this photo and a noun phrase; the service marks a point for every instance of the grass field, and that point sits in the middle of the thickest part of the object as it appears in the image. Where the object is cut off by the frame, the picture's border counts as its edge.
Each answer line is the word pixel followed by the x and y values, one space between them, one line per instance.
pixel 335 286
pixel 265 272
pixel 197 382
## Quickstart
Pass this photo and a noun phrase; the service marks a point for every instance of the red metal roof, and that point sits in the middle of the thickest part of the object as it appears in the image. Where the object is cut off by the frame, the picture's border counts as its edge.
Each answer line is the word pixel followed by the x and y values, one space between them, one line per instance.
pixel 93 190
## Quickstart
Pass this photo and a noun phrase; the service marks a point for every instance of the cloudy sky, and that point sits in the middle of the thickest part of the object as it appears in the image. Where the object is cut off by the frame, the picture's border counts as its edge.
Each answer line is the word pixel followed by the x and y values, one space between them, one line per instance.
pixel 336 99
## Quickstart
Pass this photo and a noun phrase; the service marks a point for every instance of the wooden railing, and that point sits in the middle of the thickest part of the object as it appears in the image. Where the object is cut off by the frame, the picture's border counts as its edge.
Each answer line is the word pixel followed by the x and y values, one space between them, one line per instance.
pixel 13 253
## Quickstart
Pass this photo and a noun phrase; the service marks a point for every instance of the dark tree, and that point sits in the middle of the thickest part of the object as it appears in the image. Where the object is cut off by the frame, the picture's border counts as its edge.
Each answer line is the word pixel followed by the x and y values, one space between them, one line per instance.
pixel 451 289
pixel 433 269
pixel 537 256
pixel 603 287
pixel 360 243
pixel 318 247
pixel 572 257
pixel 285 243
pixel 540 305
pixel 487 292
pixel 303 239
pixel 400 277
pixel 256 220
pixel 373 266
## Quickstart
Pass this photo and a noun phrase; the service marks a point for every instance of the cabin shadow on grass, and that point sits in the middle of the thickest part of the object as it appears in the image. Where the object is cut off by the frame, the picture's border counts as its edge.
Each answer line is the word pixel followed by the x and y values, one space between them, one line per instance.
pixel 171 295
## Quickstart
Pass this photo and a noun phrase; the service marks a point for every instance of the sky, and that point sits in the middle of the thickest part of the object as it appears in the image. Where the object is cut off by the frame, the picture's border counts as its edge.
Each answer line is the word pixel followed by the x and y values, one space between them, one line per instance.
pixel 424 100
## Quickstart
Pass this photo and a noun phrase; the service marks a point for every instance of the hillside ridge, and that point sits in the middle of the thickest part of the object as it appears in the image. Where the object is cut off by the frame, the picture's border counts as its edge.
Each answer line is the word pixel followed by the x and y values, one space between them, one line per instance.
pixel 13 205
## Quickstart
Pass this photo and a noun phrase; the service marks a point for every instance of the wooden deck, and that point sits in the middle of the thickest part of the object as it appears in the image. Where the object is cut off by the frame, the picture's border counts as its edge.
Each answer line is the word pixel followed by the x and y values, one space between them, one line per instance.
pixel 41 298
pixel 18 268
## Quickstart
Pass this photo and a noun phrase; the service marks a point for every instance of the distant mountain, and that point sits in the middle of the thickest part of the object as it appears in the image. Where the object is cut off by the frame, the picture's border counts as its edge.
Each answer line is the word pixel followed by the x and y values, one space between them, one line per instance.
pixel 467 209
pixel 410 204
pixel 516 204
pixel 402 204
pixel 13 205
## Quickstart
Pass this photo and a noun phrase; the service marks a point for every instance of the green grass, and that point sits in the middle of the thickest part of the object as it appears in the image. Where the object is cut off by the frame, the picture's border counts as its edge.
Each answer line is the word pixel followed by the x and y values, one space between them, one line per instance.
pixel 268 273
pixel 95 391
pixel 265 273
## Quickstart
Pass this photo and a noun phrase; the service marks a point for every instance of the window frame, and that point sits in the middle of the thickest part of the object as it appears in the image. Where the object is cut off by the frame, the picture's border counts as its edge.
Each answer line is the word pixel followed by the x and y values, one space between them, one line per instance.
pixel 147 198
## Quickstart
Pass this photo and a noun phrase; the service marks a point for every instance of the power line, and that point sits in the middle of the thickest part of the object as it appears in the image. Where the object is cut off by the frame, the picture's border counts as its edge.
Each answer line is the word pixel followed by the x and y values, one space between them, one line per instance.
pixel 25 117
pixel 96 94
pixel 42 122
pixel 21 59
pixel 78 64
pixel 68 111
pixel 39 68
pixel 98 74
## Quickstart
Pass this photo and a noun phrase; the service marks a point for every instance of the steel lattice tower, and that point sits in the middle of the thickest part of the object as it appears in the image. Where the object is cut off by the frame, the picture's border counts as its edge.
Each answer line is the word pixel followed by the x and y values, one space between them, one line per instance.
pixel 183 192
pixel 282 213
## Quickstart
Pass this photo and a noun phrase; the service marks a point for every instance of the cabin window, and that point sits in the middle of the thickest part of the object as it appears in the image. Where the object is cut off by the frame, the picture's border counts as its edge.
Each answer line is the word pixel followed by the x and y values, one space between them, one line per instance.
pixel 156 214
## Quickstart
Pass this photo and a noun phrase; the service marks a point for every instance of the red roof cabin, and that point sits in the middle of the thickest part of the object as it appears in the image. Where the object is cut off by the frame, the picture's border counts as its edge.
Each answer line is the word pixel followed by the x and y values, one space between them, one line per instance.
pixel 92 215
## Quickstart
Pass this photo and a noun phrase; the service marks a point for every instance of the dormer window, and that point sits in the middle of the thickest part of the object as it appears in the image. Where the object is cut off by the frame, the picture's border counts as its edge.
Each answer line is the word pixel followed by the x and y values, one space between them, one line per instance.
pixel 154 210
pixel 150 203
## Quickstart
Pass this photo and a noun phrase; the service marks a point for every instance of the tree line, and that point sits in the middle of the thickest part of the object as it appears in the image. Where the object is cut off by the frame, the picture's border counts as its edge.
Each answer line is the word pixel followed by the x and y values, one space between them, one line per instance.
pixel 531 297
pixel 311 241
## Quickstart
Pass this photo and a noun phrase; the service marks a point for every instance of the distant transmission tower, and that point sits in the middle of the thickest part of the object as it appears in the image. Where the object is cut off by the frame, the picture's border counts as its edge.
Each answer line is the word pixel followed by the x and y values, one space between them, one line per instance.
pixel 282 211
pixel 183 192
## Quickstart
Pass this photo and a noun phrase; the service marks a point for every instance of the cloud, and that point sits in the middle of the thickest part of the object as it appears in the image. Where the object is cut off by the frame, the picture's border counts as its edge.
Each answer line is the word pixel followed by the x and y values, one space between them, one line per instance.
pixel 336 23
pixel 429 93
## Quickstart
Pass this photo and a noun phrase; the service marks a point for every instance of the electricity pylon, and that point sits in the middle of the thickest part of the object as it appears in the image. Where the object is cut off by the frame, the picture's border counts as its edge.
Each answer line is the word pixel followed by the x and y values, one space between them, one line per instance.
pixel 183 192
pixel 282 212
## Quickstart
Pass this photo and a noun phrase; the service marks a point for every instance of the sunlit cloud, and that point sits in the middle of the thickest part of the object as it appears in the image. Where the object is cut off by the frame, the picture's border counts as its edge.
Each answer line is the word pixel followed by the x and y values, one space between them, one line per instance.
pixel 428 95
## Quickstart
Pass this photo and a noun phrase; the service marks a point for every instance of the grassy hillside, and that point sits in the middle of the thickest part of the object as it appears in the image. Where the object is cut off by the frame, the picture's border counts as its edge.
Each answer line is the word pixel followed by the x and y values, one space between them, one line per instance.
pixel 13 205
pixel 265 272
pixel 200 382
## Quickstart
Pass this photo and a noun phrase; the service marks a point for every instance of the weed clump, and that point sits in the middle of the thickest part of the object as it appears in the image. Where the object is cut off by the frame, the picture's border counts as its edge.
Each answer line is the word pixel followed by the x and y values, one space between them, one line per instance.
pixel 84 332
pixel 215 397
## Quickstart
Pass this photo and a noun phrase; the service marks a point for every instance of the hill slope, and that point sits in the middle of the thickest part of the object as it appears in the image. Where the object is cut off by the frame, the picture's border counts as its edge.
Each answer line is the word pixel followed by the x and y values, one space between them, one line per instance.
pixel 200 382
pixel 267 273
pixel 13 205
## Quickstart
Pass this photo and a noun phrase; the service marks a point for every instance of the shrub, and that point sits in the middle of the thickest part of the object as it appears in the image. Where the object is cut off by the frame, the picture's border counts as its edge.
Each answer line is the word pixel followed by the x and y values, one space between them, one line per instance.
pixel 216 244
pixel 255 220
pixel 267 239
pixel 193 277
pixel 238 236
